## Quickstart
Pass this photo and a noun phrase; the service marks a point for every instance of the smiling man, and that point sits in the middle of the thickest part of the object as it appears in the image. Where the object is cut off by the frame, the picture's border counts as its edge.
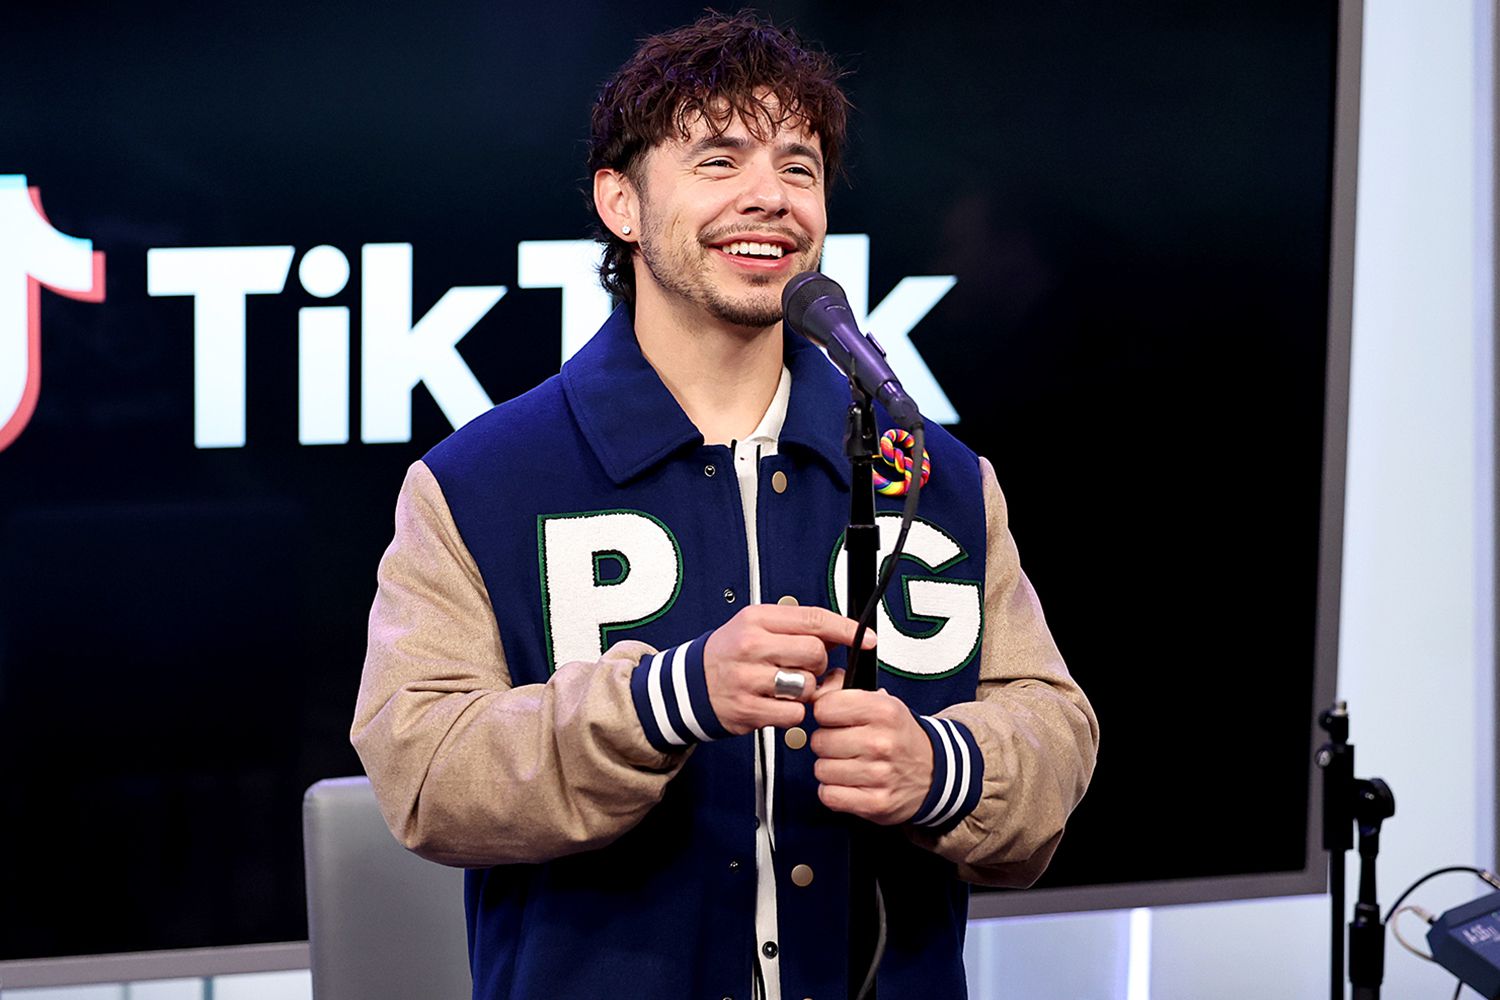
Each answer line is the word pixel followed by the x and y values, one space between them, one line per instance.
pixel 603 659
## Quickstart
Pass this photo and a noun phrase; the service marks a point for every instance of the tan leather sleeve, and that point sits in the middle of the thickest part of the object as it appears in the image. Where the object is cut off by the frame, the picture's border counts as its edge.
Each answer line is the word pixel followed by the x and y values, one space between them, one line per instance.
pixel 467 769
pixel 1035 728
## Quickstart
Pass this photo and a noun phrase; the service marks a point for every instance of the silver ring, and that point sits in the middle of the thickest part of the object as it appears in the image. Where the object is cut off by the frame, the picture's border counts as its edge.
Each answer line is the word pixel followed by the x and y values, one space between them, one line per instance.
pixel 790 684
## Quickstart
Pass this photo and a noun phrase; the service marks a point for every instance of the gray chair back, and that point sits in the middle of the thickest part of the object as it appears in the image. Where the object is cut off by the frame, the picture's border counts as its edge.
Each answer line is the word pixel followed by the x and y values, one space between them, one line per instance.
pixel 382 923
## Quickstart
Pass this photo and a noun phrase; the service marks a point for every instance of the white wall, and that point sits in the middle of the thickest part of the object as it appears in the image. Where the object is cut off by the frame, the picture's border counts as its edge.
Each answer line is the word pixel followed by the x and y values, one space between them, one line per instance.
pixel 1418 595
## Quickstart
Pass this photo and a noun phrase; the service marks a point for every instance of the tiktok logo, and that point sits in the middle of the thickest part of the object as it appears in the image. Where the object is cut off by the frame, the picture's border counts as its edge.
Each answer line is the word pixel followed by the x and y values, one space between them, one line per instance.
pixel 397 354
pixel 33 254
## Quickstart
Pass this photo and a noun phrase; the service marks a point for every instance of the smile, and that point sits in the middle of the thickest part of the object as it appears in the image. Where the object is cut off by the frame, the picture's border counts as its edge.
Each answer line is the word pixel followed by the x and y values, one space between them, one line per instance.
pixel 747 249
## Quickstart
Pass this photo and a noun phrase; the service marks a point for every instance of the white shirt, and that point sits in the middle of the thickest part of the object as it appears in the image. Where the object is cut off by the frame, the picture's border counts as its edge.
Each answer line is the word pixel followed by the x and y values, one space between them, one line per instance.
pixel 747 456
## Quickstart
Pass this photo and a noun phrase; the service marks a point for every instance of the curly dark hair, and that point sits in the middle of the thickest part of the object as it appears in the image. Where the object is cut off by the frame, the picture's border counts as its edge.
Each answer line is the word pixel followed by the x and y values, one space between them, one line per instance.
pixel 719 69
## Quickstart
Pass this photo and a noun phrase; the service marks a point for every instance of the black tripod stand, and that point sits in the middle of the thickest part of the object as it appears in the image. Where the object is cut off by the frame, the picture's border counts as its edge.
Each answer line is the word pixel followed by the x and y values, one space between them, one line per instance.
pixel 1349 802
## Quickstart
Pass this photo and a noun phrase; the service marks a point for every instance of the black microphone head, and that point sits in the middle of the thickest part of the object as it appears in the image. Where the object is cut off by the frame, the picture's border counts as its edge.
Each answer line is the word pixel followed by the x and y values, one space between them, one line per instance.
pixel 799 295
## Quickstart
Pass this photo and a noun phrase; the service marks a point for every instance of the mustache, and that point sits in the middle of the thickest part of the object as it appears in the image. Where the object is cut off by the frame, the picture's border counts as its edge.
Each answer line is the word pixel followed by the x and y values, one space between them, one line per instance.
pixel 801 242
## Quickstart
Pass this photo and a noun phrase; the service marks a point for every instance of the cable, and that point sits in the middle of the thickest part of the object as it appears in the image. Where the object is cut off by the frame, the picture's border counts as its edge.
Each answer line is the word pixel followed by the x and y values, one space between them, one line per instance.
pixel 1487 876
pixel 1397 909
pixel 864 990
pixel 1396 931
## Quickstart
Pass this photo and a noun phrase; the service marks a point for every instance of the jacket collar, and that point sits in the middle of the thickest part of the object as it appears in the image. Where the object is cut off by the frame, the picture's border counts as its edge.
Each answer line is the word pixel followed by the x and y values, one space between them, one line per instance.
pixel 632 422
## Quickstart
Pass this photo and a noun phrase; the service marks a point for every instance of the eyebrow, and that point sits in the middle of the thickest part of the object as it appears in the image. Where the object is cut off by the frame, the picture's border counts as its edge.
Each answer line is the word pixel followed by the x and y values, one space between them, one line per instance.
pixel 739 144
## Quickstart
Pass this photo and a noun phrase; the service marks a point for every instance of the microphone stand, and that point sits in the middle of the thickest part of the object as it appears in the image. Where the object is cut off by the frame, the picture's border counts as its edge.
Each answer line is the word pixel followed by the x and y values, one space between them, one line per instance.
pixel 1349 802
pixel 862 541
pixel 1336 758
pixel 1373 804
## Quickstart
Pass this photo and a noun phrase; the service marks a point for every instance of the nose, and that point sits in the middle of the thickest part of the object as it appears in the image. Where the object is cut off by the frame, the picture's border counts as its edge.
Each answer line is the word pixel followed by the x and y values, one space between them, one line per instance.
pixel 764 192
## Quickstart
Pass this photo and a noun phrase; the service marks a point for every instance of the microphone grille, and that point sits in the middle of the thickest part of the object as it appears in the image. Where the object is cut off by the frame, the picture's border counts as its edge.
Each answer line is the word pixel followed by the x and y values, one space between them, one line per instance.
pixel 802 291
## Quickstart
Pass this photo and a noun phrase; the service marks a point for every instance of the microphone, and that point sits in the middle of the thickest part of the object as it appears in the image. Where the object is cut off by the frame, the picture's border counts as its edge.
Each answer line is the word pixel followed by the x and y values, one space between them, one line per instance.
pixel 814 305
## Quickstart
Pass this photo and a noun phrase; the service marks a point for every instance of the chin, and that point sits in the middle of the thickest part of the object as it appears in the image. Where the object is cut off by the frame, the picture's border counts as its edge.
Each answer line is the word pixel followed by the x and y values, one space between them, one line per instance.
pixel 751 315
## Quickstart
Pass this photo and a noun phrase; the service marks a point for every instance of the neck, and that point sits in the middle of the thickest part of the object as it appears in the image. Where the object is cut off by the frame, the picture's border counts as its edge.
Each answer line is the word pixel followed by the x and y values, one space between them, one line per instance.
pixel 723 376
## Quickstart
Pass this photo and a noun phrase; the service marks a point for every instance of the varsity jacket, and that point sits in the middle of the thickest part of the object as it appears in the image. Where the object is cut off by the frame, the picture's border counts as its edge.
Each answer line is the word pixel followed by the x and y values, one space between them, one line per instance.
pixel 533 705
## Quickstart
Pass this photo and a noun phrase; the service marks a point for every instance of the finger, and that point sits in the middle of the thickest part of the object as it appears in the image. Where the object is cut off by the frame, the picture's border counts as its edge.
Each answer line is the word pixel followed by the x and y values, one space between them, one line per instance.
pixel 838 743
pixel 853 707
pixel 833 629
pixel 756 646
pixel 852 773
pixel 830 682
pixel 799 652
pixel 778 712
pixel 870 804
pixel 838 798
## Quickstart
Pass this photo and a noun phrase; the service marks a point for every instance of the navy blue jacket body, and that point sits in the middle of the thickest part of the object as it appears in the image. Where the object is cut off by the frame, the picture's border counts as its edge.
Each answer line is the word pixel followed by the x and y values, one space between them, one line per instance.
pixel 666 911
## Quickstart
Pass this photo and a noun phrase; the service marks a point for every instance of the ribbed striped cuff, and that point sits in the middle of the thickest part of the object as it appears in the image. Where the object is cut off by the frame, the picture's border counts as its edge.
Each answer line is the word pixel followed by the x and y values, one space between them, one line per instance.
pixel 957 774
pixel 671 697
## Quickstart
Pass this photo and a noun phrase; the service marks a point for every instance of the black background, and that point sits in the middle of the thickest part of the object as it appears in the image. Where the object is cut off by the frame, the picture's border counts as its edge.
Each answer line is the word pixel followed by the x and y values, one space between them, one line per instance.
pixel 1133 197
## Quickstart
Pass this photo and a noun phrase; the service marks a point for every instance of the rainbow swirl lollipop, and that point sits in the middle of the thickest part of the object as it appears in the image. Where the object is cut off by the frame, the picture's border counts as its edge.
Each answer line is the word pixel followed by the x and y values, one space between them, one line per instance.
pixel 895 451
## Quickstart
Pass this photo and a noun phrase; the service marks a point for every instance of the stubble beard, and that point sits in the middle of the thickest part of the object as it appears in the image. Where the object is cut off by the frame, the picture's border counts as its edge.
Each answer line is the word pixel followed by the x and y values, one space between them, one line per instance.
pixel 684 270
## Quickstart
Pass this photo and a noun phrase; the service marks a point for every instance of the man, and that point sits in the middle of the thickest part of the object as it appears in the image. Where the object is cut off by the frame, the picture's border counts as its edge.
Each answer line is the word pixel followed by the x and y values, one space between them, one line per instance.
pixel 573 685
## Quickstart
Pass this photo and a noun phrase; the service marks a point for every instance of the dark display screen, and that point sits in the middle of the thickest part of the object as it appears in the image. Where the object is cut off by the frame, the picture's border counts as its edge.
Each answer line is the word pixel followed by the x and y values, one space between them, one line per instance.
pixel 1101 229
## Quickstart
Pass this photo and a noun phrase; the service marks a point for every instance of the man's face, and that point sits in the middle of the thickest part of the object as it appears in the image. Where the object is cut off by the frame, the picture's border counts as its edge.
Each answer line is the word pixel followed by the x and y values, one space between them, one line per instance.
pixel 727 220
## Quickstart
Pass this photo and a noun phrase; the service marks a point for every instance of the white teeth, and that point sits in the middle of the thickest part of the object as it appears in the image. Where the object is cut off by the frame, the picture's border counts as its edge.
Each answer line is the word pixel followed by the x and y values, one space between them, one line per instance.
pixel 748 249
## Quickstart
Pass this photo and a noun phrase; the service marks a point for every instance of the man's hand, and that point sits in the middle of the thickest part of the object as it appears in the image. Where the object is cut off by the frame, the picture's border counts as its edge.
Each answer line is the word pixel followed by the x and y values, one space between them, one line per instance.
pixel 874 759
pixel 742 656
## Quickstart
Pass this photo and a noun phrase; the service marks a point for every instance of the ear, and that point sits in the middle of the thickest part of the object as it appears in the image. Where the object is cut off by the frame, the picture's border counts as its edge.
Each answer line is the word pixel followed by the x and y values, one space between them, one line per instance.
pixel 617 202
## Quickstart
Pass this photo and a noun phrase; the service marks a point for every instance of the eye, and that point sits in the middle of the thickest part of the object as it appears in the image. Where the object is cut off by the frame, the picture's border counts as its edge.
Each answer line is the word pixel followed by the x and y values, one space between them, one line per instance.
pixel 802 172
pixel 721 162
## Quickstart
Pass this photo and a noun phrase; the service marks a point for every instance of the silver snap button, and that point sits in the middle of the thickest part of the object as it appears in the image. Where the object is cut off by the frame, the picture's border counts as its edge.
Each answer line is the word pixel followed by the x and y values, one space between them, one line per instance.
pixel 728 596
pixel 710 471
